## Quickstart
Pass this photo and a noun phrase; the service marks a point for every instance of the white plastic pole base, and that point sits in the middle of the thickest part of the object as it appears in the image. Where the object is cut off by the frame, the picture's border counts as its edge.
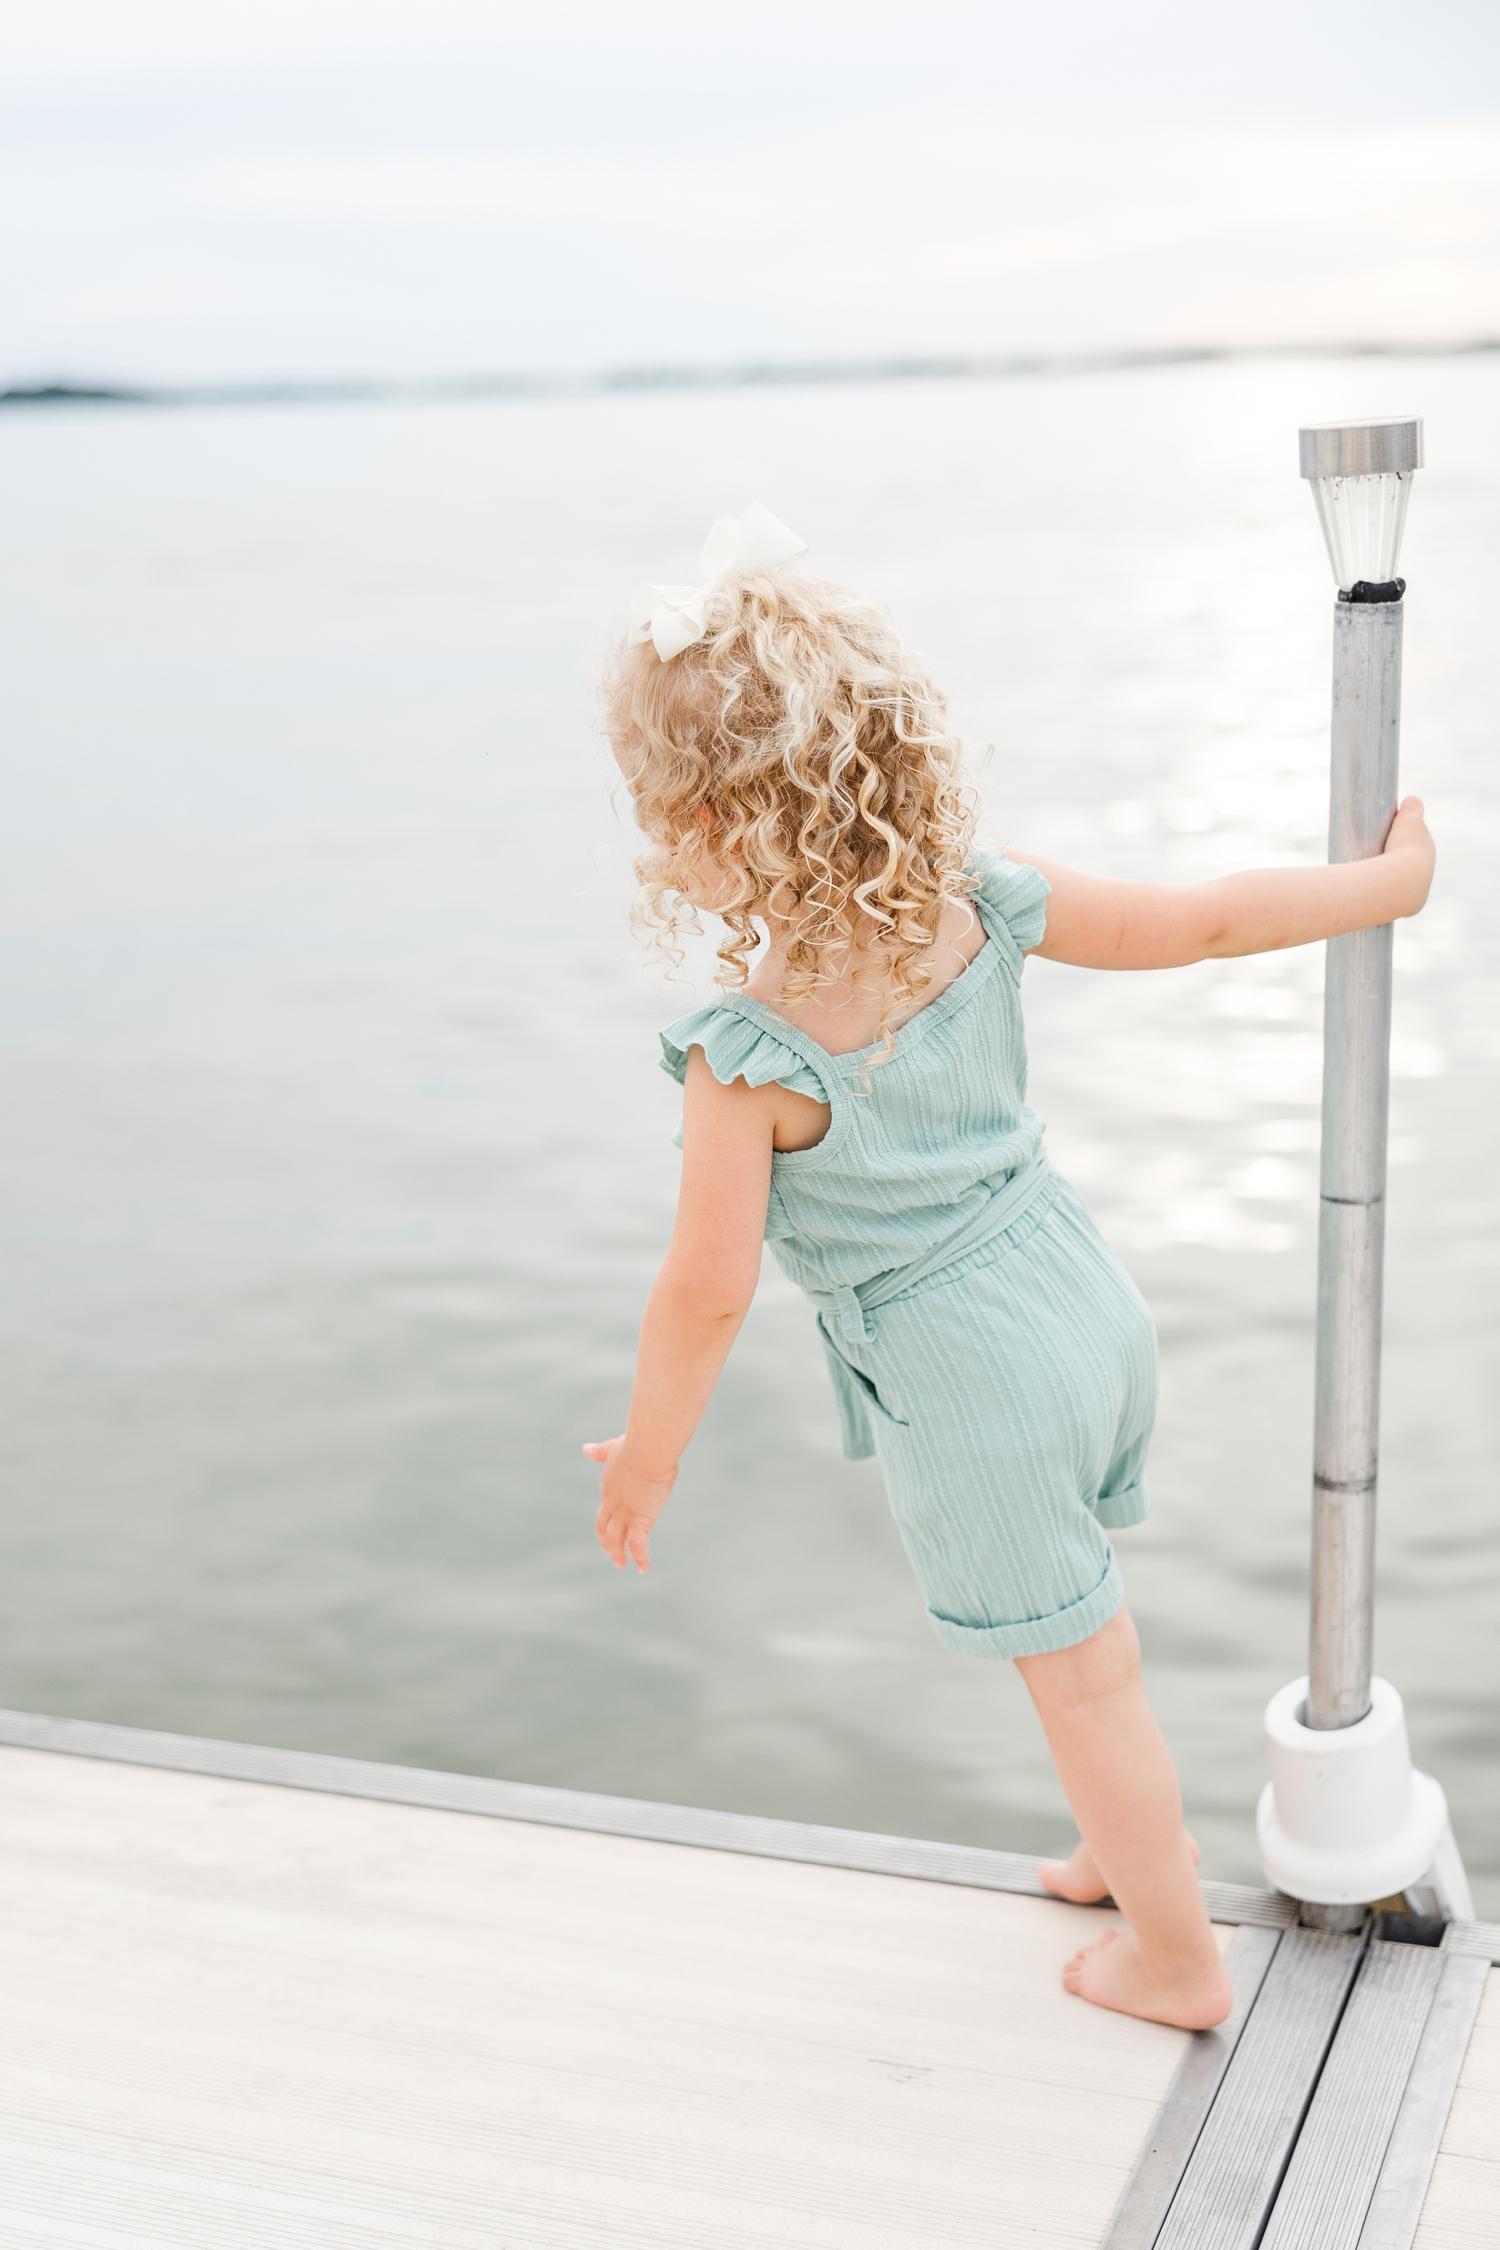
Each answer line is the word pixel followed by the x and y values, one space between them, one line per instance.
pixel 1443 1889
pixel 1346 1818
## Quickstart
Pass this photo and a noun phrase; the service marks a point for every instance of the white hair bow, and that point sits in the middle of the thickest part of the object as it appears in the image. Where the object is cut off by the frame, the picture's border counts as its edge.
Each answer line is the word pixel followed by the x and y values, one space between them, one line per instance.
pixel 672 616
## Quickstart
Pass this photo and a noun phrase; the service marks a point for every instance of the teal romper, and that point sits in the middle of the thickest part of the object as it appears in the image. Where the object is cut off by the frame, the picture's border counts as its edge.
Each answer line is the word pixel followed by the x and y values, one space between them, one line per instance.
pixel 983 1338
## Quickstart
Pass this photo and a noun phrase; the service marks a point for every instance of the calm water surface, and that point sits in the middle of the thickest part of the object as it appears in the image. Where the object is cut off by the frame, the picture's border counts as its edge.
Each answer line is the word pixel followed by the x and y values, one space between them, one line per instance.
pixel 336 1162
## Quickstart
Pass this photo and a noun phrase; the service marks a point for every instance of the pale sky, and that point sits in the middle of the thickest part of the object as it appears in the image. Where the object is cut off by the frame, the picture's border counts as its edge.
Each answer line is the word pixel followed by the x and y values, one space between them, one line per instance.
pixel 431 187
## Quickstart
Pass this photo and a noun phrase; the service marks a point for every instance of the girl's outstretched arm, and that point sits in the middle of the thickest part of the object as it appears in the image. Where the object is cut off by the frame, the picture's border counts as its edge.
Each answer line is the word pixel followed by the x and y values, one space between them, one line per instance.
pixel 1096 924
pixel 699 1300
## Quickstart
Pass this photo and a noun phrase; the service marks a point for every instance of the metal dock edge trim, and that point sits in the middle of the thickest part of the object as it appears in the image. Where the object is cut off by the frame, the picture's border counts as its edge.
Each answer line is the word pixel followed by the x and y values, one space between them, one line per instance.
pixel 968 1864
pixel 1482 1939
pixel 1147 2195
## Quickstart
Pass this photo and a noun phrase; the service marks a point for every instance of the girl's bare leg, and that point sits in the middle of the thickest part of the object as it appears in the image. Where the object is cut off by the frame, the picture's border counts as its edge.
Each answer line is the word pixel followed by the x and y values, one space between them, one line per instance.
pixel 1120 1781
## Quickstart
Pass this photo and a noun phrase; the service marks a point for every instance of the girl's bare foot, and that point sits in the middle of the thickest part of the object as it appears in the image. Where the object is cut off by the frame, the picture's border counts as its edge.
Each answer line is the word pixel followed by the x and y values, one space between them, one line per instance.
pixel 1112 1973
pixel 1079 1879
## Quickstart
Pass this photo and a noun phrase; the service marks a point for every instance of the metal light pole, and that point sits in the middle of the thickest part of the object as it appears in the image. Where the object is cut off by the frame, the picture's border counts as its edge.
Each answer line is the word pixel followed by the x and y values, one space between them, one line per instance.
pixel 1367 621
pixel 1346 1819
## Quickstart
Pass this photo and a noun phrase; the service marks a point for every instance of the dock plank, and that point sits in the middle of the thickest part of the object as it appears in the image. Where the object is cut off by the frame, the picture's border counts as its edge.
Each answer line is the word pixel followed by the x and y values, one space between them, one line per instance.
pixel 243 2014
pixel 1462 2210
pixel 1340 2153
pixel 1251 2132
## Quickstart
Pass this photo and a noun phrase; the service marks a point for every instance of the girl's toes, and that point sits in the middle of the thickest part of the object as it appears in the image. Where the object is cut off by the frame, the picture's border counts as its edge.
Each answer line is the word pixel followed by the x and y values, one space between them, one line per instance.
pixel 1076 1969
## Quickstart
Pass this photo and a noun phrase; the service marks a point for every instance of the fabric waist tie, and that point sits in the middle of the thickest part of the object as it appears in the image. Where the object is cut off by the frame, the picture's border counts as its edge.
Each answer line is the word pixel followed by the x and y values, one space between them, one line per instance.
pixel 851 1306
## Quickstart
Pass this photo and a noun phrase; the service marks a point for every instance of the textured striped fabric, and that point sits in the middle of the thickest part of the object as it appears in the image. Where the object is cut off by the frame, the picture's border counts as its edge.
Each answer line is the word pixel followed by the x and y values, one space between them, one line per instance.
pixel 982 1337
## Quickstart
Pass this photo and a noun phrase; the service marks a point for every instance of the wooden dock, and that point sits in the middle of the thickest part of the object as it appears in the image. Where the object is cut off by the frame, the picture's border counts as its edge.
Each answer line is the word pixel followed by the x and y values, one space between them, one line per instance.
pixel 261 1998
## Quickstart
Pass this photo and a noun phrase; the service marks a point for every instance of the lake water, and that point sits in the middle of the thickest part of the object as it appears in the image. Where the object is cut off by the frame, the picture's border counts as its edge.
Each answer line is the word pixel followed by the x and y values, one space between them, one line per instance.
pixel 336 1161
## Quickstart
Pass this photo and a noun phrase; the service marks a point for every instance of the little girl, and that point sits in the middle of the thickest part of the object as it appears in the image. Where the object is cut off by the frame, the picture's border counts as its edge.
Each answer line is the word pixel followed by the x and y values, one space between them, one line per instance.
pixel 857 1100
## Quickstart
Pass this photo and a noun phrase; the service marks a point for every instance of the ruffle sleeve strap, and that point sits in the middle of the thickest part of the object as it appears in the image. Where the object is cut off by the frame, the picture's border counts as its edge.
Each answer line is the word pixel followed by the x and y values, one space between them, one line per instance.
pixel 1013 895
pixel 737 1046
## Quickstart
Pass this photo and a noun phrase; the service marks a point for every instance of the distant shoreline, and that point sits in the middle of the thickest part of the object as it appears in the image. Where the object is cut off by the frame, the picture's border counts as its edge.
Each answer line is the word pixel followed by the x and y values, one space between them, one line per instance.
pixel 393 390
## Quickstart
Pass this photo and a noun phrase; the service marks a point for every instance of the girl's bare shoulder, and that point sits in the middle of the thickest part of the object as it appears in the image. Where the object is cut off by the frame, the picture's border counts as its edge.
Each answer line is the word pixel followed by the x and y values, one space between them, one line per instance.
pixel 843 1014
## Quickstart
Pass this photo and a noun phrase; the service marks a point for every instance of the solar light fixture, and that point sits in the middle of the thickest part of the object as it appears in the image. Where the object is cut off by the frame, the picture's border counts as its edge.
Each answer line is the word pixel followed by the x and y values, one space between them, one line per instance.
pixel 1361 475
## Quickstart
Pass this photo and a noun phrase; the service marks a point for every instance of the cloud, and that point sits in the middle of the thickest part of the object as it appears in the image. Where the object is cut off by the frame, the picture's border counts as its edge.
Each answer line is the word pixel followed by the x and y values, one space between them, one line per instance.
pixel 458 221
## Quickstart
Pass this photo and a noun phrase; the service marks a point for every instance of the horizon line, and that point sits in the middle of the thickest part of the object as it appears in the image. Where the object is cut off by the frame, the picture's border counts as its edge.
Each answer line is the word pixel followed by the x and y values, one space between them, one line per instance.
pixel 739 375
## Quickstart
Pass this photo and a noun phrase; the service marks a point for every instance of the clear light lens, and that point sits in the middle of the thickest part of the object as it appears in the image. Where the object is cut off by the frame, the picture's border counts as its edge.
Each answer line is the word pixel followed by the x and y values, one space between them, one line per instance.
pixel 1363 519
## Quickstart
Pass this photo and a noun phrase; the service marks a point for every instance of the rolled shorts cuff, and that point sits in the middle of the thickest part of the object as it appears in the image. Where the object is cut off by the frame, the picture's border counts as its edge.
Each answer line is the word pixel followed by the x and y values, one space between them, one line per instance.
pixel 1118 1510
pixel 1037 1636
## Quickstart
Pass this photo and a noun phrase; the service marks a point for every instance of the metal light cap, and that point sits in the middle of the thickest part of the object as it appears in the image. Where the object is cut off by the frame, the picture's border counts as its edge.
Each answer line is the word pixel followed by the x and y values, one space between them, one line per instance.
pixel 1390 445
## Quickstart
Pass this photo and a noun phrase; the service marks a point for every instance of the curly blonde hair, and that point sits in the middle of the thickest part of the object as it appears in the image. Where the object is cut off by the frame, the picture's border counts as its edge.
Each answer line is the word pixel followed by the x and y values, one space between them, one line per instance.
pixel 837 800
